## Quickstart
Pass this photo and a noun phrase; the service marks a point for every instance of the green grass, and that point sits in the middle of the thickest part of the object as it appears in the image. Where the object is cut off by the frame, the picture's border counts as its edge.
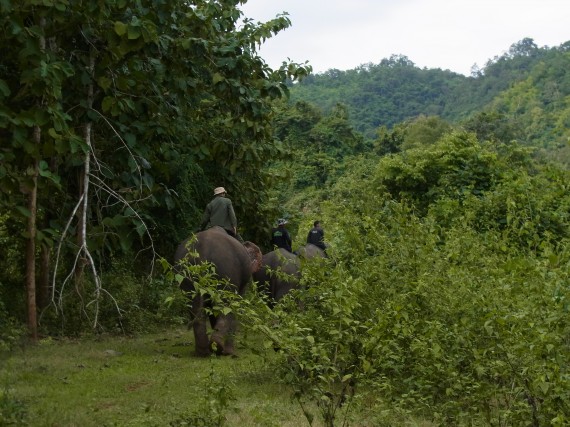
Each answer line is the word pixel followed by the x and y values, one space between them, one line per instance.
pixel 151 380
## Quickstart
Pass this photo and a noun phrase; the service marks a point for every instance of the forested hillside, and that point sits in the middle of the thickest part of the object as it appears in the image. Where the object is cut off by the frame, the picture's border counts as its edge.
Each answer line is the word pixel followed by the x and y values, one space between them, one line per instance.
pixel 395 90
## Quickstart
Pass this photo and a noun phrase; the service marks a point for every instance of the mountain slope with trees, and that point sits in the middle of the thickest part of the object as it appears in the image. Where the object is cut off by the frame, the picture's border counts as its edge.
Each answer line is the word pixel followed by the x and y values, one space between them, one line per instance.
pixel 395 90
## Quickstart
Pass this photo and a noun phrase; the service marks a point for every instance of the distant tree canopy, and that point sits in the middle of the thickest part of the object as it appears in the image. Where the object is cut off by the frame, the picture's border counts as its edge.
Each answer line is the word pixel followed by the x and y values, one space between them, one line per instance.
pixel 395 91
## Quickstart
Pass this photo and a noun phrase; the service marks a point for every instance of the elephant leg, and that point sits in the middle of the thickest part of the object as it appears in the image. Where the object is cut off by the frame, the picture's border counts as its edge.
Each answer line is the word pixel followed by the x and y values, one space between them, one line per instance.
pixel 211 317
pixel 199 326
pixel 223 336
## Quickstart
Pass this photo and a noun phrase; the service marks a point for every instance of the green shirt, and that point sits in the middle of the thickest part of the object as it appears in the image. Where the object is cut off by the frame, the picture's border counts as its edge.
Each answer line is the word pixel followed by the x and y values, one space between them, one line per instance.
pixel 219 212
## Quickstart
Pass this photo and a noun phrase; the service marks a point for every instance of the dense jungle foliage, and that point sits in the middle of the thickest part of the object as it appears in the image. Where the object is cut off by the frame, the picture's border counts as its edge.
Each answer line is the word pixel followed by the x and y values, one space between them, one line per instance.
pixel 444 200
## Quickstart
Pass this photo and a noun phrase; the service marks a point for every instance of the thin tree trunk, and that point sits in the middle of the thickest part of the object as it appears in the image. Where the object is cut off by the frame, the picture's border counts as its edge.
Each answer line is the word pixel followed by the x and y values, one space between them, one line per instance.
pixel 31 227
pixel 84 186
pixel 43 286
pixel 80 237
pixel 31 247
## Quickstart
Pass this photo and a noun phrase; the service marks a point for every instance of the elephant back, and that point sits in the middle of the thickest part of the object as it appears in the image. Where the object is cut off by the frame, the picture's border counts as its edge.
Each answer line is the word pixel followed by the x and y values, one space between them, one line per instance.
pixel 276 286
pixel 288 262
pixel 311 251
pixel 227 254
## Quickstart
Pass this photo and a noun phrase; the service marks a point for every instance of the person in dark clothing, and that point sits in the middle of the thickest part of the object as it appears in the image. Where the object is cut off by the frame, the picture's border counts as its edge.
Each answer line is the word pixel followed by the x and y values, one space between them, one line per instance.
pixel 220 211
pixel 280 237
pixel 316 236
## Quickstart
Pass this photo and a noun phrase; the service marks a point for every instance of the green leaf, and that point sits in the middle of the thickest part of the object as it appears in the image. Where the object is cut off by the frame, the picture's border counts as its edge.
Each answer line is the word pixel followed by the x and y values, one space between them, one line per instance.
pixel 120 28
pixel 104 82
pixel 544 386
pixel 53 133
pixel 134 32
pixel 24 211
pixel 107 103
pixel 140 228
pixel 130 139
pixel 4 89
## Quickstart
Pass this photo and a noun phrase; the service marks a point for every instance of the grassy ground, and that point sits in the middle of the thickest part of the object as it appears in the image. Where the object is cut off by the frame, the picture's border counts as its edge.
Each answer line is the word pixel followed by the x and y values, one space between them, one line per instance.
pixel 151 380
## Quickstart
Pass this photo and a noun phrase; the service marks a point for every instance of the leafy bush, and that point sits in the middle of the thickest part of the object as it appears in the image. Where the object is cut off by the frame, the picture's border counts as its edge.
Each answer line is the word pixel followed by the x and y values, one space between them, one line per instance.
pixel 463 303
pixel 217 400
pixel 11 332
pixel 12 411
pixel 128 303
pixel 319 347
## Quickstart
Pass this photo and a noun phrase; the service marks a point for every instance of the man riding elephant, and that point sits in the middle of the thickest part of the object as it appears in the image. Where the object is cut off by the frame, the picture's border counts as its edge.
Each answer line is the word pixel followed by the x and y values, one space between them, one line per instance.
pixel 220 212
pixel 234 261
pixel 316 236
pixel 280 237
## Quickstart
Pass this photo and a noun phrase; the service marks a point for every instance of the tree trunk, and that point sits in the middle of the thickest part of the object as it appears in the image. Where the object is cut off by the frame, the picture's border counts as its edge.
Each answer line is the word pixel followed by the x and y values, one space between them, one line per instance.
pixel 31 247
pixel 43 285
pixel 31 227
pixel 84 181
pixel 84 185
pixel 80 238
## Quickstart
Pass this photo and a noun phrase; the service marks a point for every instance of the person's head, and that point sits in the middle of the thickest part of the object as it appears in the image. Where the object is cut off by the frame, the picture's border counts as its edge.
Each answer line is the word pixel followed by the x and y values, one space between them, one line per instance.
pixel 281 222
pixel 219 191
pixel 317 224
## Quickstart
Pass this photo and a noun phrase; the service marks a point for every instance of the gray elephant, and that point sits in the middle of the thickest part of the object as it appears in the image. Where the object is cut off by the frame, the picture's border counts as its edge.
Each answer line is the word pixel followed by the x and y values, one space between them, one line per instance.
pixel 234 262
pixel 281 270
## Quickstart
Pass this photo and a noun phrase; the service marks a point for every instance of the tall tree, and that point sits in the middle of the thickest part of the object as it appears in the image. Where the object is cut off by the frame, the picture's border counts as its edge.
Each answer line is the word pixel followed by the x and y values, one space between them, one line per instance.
pixel 99 97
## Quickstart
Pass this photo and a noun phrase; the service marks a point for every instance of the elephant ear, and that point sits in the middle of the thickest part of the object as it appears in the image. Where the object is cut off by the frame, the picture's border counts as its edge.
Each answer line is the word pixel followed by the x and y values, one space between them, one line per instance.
pixel 255 256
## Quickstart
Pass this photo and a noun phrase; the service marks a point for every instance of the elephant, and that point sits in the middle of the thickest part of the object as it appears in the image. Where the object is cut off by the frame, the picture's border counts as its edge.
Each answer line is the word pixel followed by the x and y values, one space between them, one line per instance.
pixel 234 263
pixel 283 261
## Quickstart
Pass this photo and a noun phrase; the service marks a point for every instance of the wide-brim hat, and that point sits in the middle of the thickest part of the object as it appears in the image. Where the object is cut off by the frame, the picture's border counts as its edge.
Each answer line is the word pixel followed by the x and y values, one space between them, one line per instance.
pixel 219 190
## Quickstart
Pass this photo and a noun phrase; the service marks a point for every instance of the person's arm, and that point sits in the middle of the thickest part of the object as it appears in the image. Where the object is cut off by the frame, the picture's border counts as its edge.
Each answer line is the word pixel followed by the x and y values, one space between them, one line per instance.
pixel 232 214
pixel 322 240
pixel 205 217
pixel 288 238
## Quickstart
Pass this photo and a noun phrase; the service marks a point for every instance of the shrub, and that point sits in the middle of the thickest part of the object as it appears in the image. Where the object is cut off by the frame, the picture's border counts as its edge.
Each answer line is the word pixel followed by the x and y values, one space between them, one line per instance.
pixel 11 332
pixel 12 411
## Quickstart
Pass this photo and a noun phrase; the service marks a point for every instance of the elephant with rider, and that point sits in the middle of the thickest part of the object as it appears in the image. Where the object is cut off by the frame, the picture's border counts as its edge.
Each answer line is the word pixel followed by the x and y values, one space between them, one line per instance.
pixel 234 264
